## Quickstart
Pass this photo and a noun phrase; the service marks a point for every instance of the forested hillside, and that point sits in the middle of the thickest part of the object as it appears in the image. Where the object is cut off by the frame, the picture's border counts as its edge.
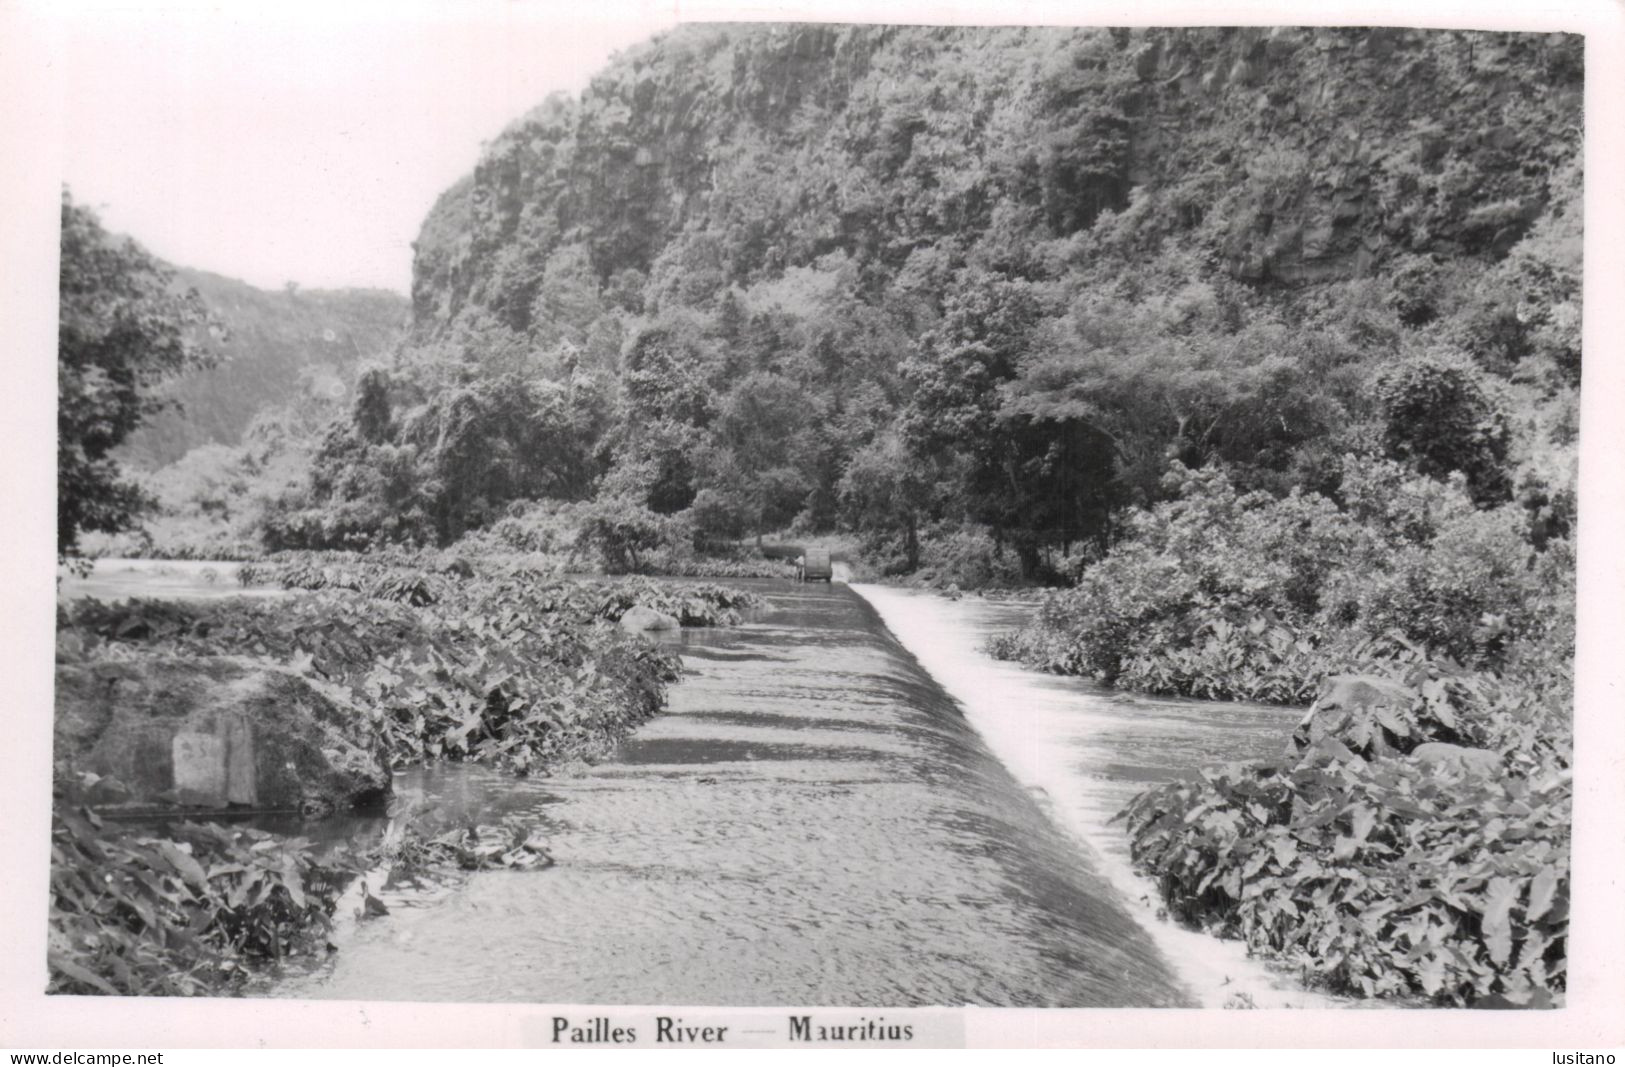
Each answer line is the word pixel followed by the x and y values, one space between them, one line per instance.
pixel 277 346
pixel 968 291
pixel 227 434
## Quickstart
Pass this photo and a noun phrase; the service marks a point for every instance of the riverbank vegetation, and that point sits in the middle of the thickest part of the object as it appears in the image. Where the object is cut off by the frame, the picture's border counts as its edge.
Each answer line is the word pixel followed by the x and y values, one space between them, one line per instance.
pixel 520 670
pixel 1427 878
pixel 1367 869
pixel 1249 596
pixel 191 911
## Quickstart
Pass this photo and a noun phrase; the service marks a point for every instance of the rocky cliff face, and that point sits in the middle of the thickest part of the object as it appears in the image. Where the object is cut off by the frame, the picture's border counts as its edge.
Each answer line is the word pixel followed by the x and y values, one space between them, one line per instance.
pixel 1345 147
pixel 629 164
pixel 1287 156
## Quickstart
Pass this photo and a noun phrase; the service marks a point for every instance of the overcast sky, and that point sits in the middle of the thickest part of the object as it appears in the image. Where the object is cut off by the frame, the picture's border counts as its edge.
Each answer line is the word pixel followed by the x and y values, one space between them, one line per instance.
pixel 278 144
pixel 305 140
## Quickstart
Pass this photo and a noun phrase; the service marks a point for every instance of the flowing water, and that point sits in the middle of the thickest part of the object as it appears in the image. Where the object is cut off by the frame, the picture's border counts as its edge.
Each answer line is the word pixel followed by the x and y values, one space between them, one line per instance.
pixel 117 579
pixel 1086 750
pixel 847 802
pixel 812 822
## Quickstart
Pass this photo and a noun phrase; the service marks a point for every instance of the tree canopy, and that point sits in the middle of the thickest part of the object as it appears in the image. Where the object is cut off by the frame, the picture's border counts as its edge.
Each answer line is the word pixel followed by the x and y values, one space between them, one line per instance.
pixel 122 328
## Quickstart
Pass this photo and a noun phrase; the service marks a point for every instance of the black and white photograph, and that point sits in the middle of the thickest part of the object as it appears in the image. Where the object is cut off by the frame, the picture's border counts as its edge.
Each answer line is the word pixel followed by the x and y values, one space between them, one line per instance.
pixel 648 526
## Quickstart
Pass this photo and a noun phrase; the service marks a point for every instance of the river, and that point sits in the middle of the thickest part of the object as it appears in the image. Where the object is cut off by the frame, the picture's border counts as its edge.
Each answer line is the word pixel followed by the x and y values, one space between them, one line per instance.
pixel 117 578
pixel 812 822
pixel 847 802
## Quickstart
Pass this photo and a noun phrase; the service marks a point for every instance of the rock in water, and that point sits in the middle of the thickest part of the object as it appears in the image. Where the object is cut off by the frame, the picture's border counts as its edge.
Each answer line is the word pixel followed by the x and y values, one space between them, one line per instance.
pixel 1473 760
pixel 216 732
pixel 1348 698
pixel 639 618
pixel 1342 698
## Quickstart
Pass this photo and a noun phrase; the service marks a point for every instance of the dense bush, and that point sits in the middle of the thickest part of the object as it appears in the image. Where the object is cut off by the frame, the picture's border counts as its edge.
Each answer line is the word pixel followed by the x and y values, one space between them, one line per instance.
pixel 1443 415
pixel 544 527
pixel 625 536
pixel 417 465
pixel 1386 876
pixel 506 666
pixel 424 578
pixel 380 577
pixel 742 567
pixel 183 914
pixel 967 557
pixel 1245 595
pixel 690 603
pixel 205 910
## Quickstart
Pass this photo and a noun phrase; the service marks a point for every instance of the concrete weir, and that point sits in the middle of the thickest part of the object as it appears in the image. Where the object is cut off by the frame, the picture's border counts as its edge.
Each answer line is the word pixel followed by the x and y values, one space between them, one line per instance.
pixel 1086 750
pixel 812 822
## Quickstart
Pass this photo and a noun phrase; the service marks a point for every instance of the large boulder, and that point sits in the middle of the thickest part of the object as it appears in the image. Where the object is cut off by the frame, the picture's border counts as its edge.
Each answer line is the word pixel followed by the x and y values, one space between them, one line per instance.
pixel 1460 758
pixel 639 619
pixel 216 732
pixel 1371 717
pixel 1343 699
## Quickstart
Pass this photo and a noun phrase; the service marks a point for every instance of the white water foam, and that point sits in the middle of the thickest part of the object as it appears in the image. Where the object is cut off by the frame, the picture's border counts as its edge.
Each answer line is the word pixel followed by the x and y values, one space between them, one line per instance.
pixel 1047 736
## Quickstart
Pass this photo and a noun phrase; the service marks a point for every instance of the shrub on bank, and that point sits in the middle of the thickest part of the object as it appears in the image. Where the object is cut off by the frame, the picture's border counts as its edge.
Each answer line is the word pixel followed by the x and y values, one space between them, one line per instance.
pixel 189 913
pixel 208 910
pixel 690 603
pixel 1248 596
pixel 962 556
pixel 512 673
pixel 428 577
pixel 1386 876
pixel 1375 874
pixel 714 567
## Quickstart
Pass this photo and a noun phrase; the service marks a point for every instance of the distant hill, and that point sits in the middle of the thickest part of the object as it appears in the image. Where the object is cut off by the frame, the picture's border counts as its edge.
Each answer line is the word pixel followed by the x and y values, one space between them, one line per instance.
pixel 280 344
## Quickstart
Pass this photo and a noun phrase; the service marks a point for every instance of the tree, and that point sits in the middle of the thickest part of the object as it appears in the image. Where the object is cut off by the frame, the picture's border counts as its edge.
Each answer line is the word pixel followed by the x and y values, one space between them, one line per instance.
pixel 887 492
pixel 667 376
pixel 1083 162
pixel 624 533
pixel 122 328
pixel 760 425
pixel 953 417
pixel 1441 414
pixel 1188 373
pixel 507 438
pixel 415 468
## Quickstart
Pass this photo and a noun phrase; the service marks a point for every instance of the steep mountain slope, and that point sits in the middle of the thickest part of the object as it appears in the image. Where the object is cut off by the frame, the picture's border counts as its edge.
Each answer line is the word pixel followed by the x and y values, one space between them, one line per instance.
pixel 278 344
pixel 1289 155
pixel 887 278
